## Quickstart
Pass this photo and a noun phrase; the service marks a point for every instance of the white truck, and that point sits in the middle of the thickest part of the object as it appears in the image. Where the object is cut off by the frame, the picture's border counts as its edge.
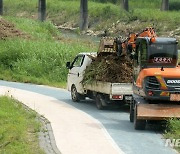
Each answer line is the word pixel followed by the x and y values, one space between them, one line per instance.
pixel 104 93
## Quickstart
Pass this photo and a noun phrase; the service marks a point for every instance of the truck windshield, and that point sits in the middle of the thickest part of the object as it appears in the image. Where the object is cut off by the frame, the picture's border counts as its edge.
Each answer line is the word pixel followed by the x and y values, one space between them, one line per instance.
pixel 165 54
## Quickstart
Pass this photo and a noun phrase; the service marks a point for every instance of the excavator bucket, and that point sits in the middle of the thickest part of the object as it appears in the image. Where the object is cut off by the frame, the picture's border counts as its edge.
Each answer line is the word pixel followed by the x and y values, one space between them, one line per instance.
pixel 110 45
pixel 157 111
pixel 106 45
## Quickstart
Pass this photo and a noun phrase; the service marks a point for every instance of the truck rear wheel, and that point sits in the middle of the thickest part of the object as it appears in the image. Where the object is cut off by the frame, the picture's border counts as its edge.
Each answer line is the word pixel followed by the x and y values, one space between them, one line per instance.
pixel 74 94
pixel 99 103
pixel 138 124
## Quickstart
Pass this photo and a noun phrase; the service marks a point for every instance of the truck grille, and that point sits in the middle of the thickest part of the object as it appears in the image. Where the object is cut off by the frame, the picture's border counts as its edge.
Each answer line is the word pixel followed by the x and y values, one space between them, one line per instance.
pixel 152 83
pixel 170 82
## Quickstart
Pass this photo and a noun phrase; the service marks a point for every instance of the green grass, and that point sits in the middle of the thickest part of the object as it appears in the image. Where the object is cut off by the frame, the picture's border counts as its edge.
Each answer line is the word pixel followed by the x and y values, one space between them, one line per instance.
pixel 40 59
pixel 173 130
pixel 103 15
pixel 18 128
pixel 60 11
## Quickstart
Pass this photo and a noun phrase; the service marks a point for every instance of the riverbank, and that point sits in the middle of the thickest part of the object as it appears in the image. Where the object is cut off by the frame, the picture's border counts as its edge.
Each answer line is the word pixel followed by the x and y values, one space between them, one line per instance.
pixel 104 16
pixel 41 56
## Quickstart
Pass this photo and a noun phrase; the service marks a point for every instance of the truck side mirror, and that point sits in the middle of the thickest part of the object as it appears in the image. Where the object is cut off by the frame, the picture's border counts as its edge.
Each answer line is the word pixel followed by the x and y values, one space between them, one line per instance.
pixel 68 65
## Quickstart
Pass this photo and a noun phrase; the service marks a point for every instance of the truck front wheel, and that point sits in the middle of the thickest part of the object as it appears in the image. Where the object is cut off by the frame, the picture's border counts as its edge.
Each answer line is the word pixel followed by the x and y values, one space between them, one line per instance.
pixel 99 102
pixel 138 124
pixel 74 94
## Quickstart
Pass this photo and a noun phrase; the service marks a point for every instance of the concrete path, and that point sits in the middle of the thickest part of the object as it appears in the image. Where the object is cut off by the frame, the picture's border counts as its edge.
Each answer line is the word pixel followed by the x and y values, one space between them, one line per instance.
pixel 75 131
pixel 115 121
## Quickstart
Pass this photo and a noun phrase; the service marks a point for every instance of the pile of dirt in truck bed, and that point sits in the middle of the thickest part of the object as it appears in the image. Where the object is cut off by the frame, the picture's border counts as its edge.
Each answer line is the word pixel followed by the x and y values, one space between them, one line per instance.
pixel 109 68
pixel 8 30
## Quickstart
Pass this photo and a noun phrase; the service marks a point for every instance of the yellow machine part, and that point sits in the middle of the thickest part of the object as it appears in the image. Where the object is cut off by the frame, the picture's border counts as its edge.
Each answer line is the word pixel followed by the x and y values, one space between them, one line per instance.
pixel 157 111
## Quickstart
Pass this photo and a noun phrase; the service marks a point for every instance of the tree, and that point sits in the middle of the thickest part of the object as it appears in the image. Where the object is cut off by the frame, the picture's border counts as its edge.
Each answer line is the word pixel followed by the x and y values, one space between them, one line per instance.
pixel 125 4
pixel 42 10
pixel 165 5
pixel 83 15
pixel 1 7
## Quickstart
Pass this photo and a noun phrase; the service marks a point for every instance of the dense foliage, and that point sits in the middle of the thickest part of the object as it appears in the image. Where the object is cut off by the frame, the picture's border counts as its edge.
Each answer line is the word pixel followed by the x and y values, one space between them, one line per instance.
pixel 40 58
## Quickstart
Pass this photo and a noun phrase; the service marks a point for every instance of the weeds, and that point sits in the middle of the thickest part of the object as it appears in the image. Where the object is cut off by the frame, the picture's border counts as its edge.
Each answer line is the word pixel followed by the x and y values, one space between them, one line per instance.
pixel 18 128
pixel 40 59
pixel 173 130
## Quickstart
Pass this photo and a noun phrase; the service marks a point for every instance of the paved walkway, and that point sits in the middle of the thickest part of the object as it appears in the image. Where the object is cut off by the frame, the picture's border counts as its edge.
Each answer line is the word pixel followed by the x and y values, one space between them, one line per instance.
pixel 75 131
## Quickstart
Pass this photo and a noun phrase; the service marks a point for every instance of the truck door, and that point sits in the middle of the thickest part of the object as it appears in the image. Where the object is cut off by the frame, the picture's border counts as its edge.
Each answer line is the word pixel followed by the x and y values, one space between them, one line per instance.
pixel 75 73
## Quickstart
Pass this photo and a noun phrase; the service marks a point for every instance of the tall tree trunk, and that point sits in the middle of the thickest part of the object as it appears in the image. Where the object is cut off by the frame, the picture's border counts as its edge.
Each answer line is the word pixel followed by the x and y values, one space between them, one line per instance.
pixel 1 7
pixel 165 5
pixel 42 10
pixel 83 15
pixel 125 4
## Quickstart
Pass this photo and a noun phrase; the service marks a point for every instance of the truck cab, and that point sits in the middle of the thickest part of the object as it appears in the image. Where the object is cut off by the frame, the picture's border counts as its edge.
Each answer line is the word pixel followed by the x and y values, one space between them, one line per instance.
pixel 75 74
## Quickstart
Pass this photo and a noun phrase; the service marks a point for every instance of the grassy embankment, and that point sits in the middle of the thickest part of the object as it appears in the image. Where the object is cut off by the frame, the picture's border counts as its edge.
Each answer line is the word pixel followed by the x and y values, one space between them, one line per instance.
pixel 103 15
pixel 39 59
pixel 42 58
pixel 18 128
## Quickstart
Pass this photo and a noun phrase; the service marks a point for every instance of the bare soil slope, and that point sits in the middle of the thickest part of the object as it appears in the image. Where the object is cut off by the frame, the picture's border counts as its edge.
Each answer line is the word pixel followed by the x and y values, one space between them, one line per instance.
pixel 8 30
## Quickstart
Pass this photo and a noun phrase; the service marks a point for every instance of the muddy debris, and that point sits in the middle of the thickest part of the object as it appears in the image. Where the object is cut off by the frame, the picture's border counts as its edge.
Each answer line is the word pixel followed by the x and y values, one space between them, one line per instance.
pixel 109 68
pixel 8 30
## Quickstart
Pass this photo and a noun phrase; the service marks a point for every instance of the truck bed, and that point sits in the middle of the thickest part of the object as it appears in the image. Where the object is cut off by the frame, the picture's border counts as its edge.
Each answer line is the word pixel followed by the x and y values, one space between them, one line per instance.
pixel 110 88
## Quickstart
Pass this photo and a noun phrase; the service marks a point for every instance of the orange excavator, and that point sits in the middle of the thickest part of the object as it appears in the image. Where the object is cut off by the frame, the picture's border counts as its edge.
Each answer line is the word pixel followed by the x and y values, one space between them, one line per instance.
pixel 129 45
pixel 156 76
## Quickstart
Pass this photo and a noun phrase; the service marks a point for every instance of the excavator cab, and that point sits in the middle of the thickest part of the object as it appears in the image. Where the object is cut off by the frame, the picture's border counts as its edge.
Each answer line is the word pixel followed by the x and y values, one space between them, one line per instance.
pixel 152 57
pixel 161 52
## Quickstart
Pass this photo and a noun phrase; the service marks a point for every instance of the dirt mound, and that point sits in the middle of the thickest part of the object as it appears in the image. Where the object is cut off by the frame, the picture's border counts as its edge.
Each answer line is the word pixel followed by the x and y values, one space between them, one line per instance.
pixel 109 68
pixel 8 30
